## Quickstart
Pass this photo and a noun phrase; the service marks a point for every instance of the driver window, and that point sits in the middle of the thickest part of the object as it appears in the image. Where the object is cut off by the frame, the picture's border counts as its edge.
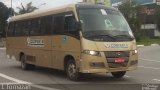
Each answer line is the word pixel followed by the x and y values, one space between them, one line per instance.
pixel 70 24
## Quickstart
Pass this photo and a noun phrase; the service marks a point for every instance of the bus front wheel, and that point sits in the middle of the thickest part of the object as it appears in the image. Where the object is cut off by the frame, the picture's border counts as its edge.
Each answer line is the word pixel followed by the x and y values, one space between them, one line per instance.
pixel 118 74
pixel 72 71
pixel 24 65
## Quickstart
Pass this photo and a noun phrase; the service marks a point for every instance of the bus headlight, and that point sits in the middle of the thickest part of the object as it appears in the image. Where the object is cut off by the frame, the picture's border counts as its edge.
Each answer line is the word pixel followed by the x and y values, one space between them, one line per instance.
pixel 134 52
pixel 93 53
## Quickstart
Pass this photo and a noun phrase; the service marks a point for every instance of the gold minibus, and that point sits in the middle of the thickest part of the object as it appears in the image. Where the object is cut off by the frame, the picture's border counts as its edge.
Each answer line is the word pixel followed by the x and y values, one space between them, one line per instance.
pixel 77 38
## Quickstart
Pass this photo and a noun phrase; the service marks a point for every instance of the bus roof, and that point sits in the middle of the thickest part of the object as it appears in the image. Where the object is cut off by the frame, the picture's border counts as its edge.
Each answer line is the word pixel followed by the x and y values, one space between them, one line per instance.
pixel 55 10
pixel 41 13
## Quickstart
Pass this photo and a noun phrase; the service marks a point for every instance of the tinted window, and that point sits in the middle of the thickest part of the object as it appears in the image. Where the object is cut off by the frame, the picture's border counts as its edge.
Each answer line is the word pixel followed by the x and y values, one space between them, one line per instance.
pixel 10 31
pixel 18 29
pixel 58 24
pixel 46 25
pixel 35 30
pixel 70 23
pixel 26 27
pixel 70 26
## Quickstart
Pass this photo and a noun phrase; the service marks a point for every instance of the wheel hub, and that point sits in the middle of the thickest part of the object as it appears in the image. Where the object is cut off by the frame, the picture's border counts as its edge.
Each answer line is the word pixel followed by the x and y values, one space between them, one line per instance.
pixel 71 70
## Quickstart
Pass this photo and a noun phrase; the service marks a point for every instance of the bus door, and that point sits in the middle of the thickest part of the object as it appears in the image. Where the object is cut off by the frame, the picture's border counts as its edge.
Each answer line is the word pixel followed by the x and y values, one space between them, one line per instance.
pixel 64 37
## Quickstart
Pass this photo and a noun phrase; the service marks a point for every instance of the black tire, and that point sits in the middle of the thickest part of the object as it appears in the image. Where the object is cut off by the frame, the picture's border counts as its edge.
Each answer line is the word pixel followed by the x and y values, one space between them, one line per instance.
pixel 118 74
pixel 24 65
pixel 71 70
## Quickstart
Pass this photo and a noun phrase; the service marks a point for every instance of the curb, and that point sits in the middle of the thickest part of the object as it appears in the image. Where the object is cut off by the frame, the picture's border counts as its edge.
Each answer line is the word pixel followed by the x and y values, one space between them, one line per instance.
pixel 155 45
pixel 2 48
pixel 148 45
pixel 140 45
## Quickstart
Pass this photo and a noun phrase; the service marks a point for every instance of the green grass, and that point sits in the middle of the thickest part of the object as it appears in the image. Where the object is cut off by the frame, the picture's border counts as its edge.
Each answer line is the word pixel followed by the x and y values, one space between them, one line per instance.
pixel 148 41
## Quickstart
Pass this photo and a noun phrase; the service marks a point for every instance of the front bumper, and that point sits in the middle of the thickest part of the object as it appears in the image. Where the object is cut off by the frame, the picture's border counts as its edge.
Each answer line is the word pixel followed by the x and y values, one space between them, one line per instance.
pixel 106 63
pixel 107 70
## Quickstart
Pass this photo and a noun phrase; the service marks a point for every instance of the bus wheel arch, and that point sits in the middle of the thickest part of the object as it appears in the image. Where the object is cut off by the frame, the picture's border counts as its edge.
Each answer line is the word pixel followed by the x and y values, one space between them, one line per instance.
pixel 70 68
pixel 67 59
pixel 20 55
pixel 24 65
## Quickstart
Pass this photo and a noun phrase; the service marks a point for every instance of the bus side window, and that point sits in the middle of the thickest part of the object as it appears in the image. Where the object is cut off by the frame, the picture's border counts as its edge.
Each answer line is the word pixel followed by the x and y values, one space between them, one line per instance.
pixel 18 29
pixel 25 30
pixel 46 25
pixel 70 24
pixel 10 31
pixel 58 24
pixel 35 29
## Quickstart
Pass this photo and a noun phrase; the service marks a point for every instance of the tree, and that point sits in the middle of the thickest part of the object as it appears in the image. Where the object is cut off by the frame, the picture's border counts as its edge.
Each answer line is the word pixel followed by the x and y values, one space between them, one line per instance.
pixel 130 11
pixel 27 9
pixel 4 15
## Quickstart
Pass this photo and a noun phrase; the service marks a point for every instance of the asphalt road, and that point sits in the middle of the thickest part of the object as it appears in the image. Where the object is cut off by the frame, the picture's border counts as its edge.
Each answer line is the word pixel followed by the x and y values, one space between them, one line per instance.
pixel 147 75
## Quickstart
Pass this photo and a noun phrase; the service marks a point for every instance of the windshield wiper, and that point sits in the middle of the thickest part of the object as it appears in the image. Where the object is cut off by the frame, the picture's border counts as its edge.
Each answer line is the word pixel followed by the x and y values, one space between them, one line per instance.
pixel 126 36
pixel 105 35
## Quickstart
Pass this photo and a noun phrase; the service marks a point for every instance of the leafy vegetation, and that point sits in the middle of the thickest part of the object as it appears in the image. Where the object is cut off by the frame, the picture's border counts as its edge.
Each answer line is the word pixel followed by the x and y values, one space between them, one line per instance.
pixel 148 41
pixel 27 9
pixel 5 12
pixel 4 15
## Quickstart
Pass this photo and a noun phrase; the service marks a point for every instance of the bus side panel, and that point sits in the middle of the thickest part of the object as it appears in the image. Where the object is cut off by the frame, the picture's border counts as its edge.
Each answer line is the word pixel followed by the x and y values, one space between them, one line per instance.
pixel 63 45
pixel 40 48
pixel 31 47
pixel 14 45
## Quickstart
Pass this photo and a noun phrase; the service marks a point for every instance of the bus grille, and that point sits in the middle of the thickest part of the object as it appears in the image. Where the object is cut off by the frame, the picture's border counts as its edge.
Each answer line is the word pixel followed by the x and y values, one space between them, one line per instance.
pixel 112 55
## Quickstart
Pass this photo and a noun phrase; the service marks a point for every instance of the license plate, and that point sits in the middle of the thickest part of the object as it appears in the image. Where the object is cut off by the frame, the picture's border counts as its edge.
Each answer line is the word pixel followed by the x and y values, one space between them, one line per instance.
pixel 119 60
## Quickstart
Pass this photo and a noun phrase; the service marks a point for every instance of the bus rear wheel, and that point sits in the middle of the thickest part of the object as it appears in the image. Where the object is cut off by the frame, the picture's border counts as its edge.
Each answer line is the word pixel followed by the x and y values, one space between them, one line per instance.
pixel 118 74
pixel 24 65
pixel 71 70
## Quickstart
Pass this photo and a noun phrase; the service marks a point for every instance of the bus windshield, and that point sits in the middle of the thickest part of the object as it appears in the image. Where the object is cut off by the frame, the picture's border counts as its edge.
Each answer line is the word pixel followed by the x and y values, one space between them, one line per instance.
pixel 104 25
